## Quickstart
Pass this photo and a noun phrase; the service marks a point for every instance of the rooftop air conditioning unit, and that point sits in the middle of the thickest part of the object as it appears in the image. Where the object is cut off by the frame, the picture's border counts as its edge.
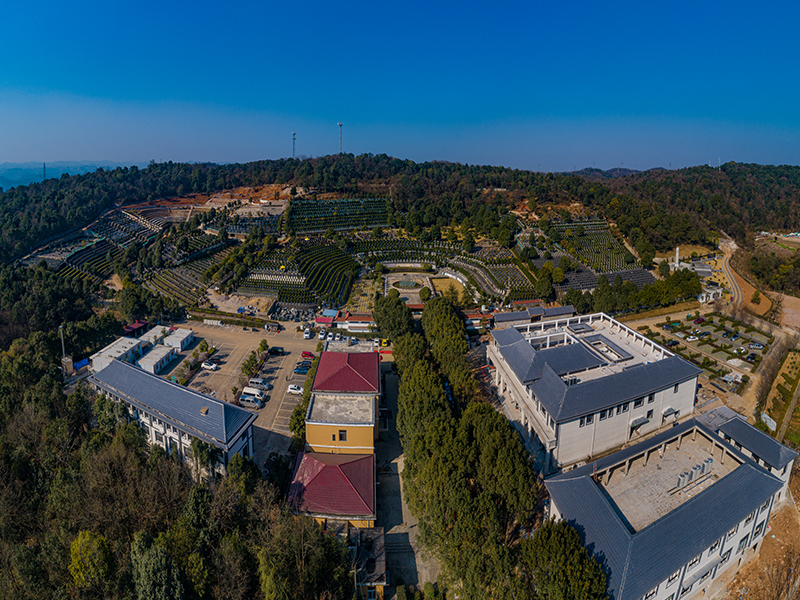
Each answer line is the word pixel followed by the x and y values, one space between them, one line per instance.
pixel 708 464
pixel 683 479
pixel 697 470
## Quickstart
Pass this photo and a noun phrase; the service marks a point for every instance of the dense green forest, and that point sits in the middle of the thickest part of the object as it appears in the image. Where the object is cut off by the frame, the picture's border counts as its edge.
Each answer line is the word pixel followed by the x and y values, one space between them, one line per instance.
pixel 668 207
pixel 736 198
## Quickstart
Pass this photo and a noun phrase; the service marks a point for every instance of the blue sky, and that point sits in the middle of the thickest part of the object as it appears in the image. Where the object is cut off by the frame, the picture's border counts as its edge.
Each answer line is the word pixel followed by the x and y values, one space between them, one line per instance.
pixel 548 86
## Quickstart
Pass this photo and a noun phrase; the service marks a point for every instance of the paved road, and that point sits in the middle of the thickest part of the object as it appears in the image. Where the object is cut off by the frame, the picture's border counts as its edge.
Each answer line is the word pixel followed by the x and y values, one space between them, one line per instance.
pixel 736 291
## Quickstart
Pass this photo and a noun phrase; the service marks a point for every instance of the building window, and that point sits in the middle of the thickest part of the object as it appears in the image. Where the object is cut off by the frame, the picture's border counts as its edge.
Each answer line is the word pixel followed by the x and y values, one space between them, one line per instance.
pixel 675 390
pixel 725 557
pixel 743 544
pixel 714 546
pixel 755 458
pixel 706 575
pixel 582 422
pixel 765 506
pixel 784 470
pixel 603 415
pixel 670 597
pixel 651 398
pixel 651 593
pixel 619 408
pixel 733 531
pixel 759 527
pixel 673 578
pixel 589 419
pixel 159 438
pixel 686 590
pixel 625 407
pixel 650 414
pixel 372 594
pixel 342 435
pixel 695 561
pixel 638 402
pixel 750 517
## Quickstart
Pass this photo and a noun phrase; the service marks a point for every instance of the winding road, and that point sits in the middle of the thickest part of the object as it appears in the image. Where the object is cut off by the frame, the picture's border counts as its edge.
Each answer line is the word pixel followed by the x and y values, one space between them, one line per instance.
pixel 728 248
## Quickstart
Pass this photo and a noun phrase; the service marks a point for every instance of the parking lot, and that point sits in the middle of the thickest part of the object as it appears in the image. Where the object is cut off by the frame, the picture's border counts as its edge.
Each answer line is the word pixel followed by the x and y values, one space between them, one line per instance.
pixel 738 350
pixel 271 433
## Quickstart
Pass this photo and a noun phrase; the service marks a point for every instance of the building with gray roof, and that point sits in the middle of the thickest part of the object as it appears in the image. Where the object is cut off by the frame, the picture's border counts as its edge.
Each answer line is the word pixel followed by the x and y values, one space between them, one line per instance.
pixel 584 385
pixel 171 414
pixel 535 314
pixel 667 516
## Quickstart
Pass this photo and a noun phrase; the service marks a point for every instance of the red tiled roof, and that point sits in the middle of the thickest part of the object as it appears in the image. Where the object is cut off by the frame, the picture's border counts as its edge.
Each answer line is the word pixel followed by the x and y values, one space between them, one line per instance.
pixel 324 320
pixel 348 372
pixel 340 485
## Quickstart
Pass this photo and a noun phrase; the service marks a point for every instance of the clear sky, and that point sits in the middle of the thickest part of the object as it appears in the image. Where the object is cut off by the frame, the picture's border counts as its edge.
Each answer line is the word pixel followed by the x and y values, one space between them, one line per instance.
pixel 535 85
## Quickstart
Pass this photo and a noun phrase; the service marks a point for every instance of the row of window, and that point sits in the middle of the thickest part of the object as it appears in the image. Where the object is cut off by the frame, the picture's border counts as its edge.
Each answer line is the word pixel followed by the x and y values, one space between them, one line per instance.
pixel 607 414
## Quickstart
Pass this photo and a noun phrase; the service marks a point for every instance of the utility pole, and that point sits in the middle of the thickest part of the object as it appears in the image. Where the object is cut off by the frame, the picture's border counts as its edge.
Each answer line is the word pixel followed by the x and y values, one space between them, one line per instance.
pixel 293 136
pixel 340 138
pixel 44 171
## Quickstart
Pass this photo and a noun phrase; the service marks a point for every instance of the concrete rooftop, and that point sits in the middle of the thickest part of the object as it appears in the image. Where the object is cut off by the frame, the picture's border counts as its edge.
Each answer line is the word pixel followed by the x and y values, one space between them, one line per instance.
pixel 649 492
pixel 341 409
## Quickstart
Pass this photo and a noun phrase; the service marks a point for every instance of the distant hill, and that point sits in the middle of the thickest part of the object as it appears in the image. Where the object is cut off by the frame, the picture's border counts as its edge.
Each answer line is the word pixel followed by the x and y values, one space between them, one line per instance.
pixel 599 175
pixel 14 174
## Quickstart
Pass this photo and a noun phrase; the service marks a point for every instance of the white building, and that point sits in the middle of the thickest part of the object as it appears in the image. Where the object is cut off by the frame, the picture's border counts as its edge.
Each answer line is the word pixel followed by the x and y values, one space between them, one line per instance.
pixel 171 415
pixel 584 385
pixel 158 358
pixel 666 517
pixel 124 349
pixel 179 338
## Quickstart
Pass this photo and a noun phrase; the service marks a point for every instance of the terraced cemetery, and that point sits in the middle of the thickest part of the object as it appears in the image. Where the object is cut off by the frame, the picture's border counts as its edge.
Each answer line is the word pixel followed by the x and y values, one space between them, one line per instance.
pixel 321 274
pixel 184 283
pixel 243 225
pixel 93 261
pixel 320 215
pixel 597 248
pixel 188 247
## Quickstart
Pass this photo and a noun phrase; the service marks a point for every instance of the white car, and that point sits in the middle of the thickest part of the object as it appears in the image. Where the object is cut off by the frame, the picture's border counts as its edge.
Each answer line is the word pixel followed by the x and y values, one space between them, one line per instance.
pixel 330 337
pixel 338 337
pixel 691 338
pixel 209 366
pixel 307 334
pixel 321 335
pixel 294 389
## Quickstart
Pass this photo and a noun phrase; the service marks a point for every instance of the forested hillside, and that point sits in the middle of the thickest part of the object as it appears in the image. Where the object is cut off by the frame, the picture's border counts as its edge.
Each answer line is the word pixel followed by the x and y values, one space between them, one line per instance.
pixel 663 208
pixel 735 198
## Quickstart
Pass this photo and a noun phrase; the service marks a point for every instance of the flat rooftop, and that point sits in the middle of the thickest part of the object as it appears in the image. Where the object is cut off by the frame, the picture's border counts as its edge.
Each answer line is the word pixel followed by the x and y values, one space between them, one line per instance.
pixel 649 492
pixel 117 348
pixel 341 409
pixel 617 346
pixel 156 354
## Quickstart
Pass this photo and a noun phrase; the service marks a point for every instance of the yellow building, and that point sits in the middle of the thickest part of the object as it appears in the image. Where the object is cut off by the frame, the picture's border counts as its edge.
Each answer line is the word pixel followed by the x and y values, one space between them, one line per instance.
pixel 342 416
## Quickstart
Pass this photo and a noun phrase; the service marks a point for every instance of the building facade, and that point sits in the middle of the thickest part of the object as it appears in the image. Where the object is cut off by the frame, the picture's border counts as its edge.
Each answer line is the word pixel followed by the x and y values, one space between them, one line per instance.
pixel 587 384
pixel 171 415
pixel 668 516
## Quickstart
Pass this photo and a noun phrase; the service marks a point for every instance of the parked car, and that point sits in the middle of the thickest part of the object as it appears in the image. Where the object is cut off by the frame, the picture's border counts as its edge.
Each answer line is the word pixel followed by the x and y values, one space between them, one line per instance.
pixel 304 363
pixel 672 343
pixel 668 327
pixel 259 383
pixel 277 351
pixel 330 336
pixel 751 357
pixel 307 354
pixel 740 350
pixel 384 343
pixel 692 338
pixel 294 389
pixel 755 346
pixel 704 334
pixel 301 370
pixel 735 337
pixel 338 337
pixel 209 366
pixel 307 334
pixel 255 392
pixel 321 335
pixel 726 334
pixel 250 401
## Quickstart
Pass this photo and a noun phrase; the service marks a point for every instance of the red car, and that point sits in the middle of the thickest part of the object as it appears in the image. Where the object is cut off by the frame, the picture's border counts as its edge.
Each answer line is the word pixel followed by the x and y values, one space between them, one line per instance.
pixel 698 321
pixel 307 355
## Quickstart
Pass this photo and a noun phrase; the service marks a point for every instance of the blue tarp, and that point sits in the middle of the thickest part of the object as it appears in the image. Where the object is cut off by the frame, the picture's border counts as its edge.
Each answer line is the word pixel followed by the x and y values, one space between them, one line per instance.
pixel 329 312
pixel 81 363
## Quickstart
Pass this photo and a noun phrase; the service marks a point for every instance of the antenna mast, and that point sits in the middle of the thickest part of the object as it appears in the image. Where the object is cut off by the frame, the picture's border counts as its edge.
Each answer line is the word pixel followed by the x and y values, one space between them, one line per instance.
pixel 340 138
pixel 293 136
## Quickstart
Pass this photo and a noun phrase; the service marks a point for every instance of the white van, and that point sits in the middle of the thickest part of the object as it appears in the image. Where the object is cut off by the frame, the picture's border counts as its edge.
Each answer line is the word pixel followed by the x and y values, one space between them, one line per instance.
pixel 307 334
pixel 259 384
pixel 251 391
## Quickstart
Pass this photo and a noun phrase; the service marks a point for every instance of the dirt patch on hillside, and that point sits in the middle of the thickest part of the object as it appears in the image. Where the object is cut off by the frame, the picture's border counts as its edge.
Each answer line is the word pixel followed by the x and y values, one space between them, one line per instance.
pixel 790 311
pixel 230 304
pixel 747 292
pixel 114 282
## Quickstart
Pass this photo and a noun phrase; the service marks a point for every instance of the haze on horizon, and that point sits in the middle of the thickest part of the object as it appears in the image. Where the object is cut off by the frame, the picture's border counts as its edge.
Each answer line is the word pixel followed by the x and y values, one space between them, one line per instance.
pixel 550 88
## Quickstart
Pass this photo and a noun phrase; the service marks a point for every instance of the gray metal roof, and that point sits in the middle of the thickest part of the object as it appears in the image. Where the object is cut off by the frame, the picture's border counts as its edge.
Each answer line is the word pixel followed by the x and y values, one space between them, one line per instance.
pixel 636 562
pixel 175 404
pixel 504 317
pixel 759 443
pixel 505 337
pixel 559 311
pixel 568 402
